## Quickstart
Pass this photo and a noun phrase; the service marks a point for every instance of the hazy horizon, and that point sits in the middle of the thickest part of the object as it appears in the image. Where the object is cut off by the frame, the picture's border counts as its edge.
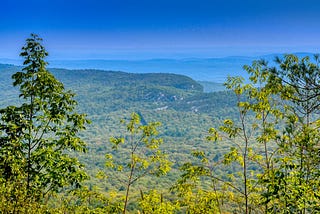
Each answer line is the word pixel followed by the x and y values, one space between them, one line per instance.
pixel 154 55
pixel 200 69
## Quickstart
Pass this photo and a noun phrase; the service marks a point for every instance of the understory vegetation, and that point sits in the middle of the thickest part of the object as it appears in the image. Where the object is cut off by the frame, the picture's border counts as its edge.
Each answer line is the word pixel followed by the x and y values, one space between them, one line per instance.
pixel 157 143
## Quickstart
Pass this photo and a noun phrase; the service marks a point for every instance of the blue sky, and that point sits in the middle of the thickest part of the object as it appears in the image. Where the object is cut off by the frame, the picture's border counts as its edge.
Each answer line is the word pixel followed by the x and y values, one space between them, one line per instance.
pixel 128 29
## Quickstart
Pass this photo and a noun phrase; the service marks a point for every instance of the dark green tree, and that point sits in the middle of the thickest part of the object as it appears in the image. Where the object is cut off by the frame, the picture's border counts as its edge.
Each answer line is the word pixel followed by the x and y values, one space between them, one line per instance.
pixel 296 173
pixel 38 136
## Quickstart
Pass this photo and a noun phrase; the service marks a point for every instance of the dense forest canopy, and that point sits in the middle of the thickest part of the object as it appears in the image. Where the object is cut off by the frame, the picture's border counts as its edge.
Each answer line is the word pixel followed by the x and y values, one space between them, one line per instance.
pixel 157 143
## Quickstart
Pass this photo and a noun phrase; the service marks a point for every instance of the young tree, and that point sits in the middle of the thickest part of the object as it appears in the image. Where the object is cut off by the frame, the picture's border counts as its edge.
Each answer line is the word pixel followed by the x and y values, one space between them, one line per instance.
pixel 141 147
pixel 250 152
pixel 36 137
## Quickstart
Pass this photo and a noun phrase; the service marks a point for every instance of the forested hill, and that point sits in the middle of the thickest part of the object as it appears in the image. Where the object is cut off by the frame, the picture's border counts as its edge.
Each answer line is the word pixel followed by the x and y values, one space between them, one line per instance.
pixel 101 93
pixel 178 102
pixel 127 89
pixel 118 78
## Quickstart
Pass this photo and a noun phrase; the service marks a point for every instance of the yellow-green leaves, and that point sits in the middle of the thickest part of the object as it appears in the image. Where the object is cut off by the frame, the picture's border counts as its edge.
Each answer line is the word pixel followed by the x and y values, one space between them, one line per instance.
pixel 116 141
pixel 213 135
pixel 140 145
pixel 230 128
pixel 234 83
pixel 233 156
pixel 153 202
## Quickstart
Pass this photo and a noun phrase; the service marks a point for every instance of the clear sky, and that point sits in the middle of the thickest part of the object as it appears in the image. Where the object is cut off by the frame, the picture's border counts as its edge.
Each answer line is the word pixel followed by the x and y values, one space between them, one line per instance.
pixel 111 29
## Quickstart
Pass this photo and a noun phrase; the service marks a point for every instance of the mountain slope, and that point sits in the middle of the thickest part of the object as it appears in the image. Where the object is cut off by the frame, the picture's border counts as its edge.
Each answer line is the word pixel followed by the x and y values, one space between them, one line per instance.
pixel 177 101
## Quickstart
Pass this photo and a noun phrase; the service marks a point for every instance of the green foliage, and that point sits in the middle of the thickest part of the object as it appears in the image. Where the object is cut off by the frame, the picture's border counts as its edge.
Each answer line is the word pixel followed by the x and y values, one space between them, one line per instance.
pixel 141 147
pixel 301 80
pixel 155 203
pixel 14 198
pixel 37 136
pixel 294 181
pixel 85 200
pixel 273 159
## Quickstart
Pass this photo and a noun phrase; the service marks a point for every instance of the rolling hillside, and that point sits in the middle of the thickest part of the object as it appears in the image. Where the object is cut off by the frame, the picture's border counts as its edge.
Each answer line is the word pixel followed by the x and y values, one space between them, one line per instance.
pixel 178 102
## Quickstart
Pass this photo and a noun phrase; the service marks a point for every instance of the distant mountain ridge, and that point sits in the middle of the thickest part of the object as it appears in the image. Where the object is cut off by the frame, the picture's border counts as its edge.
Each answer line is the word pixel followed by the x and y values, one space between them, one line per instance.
pixel 200 69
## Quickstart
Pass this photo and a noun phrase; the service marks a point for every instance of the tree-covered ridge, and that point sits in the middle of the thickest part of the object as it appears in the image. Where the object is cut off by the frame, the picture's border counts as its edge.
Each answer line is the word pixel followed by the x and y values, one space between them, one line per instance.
pixel 184 112
pixel 122 78
pixel 180 91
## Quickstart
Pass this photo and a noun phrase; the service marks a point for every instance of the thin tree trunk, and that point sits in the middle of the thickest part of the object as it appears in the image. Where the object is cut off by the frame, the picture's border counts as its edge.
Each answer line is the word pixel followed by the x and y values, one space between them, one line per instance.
pixel 128 185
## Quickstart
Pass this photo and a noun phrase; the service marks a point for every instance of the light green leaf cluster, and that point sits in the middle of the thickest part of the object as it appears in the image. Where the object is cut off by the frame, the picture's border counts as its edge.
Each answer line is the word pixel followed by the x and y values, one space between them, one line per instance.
pixel 141 147
pixel 155 203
